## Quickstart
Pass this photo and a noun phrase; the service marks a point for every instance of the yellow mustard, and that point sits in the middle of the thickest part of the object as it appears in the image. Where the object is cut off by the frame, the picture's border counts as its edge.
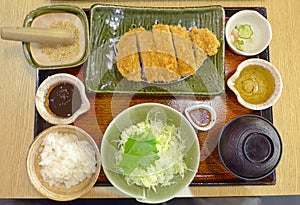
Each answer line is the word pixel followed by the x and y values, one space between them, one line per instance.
pixel 255 84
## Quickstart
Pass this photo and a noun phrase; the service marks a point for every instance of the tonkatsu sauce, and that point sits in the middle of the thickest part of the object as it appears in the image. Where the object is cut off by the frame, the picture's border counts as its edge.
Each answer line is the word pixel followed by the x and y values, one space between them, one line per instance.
pixel 201 116
pixel 64 99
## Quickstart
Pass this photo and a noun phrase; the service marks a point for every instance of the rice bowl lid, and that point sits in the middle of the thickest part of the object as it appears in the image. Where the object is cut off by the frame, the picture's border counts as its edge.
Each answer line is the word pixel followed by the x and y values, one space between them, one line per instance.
pixel 132 116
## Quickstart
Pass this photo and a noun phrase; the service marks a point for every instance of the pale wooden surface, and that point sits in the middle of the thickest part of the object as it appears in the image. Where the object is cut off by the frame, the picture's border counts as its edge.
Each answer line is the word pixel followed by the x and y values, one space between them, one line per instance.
pixel 17 90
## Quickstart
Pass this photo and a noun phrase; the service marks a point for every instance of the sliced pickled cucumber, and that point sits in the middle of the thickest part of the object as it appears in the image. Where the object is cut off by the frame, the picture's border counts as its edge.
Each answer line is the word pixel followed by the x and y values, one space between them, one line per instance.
pixel 239 45
pixel 244 31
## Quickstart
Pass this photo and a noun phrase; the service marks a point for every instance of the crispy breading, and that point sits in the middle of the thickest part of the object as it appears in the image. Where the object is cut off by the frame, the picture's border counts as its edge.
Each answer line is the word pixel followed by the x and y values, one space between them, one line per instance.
pixel 199 55
pixel 164 46
pixel 127 57
pixel 146 46
pixel 148 55
pixel 205 39
pixel 129 67
pixel 184 50
pixel 152 69
pixel 164 54
pixel 160 75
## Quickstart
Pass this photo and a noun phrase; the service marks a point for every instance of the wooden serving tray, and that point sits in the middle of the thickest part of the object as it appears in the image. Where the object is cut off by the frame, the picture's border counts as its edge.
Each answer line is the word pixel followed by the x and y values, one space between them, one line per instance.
pixel 104 107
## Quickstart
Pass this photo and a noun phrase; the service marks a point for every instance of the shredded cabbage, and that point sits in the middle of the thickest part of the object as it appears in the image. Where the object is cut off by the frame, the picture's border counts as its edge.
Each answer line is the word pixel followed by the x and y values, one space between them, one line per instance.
pixel 151 154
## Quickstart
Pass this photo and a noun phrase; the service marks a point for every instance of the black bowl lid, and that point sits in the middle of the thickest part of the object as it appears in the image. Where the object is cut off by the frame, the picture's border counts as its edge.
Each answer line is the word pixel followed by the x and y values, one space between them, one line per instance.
pixel 250 147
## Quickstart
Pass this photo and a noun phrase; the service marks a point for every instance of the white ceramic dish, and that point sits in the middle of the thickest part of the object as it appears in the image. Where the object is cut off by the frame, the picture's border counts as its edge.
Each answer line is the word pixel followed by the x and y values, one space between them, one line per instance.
pixel 208 123
pixel 41 96
pixel 277 80
pixel 262 32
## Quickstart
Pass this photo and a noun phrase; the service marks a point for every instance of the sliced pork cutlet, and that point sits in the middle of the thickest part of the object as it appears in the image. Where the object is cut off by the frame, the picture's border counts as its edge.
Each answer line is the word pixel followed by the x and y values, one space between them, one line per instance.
pixel 127 57
pixel 205 39
pixel 152 70
pixel 199 55
pixel 164 46
pixel 148 55
pixel 184 50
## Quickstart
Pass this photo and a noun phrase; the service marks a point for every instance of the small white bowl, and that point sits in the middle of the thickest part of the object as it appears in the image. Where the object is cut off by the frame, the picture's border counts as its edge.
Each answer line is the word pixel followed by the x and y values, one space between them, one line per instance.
pixel 212 116
pixel 231 82
pixel 262 32
pixel 41 98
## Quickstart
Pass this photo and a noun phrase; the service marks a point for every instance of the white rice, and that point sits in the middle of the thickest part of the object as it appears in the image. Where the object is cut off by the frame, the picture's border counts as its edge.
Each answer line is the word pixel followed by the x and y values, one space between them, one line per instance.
pixel 66 160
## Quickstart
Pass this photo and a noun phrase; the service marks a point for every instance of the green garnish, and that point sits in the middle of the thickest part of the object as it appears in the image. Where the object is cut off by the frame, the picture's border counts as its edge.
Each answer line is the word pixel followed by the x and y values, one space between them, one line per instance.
pixel 151 153
pixel 244 31
pixel 239 44
pixel 140 152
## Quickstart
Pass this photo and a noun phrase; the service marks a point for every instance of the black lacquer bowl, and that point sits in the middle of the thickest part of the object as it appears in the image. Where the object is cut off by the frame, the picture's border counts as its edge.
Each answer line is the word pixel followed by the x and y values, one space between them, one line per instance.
pixel 250 147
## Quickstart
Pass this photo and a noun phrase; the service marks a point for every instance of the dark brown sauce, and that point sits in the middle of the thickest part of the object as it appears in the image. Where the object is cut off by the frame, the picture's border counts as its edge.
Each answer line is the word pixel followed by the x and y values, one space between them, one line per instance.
pixel 201 116
pixel 64 99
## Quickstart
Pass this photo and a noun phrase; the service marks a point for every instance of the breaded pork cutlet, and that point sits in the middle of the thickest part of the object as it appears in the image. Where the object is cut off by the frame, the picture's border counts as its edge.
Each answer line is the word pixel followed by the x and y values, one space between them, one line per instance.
pixel 164 54
pixel 199 55
pixel 205 39
pixel 127 57
pixel 152 69
pixel 164 46
pixel 148 55
pixel 184 50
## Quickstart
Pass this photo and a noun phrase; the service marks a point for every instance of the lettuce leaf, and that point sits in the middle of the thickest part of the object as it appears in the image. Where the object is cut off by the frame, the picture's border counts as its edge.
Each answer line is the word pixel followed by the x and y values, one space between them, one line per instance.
pixel 140 152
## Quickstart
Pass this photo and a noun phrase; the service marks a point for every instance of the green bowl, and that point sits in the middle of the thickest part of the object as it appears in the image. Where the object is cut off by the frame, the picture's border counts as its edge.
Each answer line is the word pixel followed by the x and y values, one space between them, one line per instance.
pixel 79 12
pixel 132 116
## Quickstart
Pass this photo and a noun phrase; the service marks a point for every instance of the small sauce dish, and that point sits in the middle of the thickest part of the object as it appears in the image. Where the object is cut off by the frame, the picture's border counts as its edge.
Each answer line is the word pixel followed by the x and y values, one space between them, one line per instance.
pixel 248 33
pixel 203 117
pixel 61 99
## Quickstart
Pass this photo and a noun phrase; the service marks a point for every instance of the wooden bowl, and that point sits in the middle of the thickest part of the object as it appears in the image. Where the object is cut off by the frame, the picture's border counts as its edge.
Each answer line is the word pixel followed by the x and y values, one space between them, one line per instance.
pixel 60 193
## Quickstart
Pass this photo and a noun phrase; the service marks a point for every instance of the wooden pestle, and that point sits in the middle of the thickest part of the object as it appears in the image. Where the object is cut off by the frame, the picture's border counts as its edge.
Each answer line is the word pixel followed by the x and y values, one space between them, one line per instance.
pixel 37 35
